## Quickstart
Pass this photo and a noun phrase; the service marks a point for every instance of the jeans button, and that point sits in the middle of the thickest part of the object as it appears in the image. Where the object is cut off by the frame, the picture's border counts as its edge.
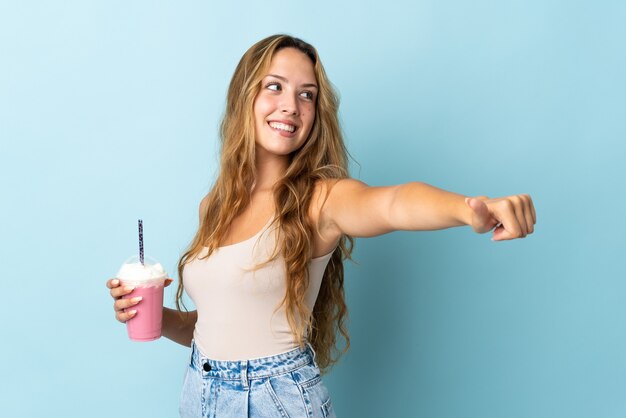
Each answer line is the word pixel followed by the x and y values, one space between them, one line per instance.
pixel 206 367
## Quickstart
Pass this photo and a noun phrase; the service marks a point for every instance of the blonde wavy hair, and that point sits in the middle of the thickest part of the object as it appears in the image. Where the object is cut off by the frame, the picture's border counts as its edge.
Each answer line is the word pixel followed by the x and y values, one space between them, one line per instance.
pixel 322 157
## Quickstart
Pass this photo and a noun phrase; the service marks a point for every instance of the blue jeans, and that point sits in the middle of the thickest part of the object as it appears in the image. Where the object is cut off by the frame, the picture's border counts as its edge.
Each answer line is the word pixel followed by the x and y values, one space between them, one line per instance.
pixel 286 385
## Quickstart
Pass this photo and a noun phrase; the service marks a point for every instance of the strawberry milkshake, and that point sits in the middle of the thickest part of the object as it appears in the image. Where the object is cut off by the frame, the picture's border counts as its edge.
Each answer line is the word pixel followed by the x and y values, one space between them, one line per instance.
pixel 148 279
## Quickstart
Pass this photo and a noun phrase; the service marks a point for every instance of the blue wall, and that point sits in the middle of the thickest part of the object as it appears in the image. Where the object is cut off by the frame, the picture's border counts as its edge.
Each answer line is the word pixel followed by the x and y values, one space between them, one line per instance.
pixel 109 112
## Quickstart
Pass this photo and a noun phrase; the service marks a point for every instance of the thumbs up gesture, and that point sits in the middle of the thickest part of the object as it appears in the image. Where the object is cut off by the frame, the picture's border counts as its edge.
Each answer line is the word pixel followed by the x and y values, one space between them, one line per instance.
pixel 511 216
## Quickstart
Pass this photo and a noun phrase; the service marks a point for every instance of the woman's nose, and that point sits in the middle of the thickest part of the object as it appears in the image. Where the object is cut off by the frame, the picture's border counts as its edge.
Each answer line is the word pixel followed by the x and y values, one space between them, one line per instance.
pixel 289 106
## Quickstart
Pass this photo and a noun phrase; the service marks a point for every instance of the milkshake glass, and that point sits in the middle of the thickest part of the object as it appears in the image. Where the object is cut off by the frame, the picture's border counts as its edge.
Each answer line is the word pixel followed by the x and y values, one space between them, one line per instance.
pixel 148 279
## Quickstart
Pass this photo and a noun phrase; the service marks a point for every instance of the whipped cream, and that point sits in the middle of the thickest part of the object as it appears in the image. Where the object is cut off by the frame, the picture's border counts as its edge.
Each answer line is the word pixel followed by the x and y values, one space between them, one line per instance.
pixel 133 271
pixel 139 272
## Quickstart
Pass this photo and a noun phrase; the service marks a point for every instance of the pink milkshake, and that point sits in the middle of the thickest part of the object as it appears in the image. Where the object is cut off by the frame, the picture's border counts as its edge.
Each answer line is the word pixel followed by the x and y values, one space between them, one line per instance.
pixel 148 280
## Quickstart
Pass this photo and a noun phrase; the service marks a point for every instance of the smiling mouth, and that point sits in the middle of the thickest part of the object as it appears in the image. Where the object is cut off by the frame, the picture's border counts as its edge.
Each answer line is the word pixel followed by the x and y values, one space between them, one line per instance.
pixel 282 127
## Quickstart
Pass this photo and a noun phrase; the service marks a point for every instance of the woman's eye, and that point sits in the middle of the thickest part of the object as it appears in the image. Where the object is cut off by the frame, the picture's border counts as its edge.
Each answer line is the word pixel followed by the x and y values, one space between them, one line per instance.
pixel 273 86
pixel 307 94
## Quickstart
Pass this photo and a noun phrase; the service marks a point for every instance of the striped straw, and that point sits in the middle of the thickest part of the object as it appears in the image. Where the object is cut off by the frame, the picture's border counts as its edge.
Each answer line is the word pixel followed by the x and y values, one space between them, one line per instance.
pixel 141 241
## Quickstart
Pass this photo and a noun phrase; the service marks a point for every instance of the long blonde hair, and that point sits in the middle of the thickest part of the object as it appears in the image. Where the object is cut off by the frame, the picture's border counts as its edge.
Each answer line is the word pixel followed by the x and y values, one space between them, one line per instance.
pixel 323 156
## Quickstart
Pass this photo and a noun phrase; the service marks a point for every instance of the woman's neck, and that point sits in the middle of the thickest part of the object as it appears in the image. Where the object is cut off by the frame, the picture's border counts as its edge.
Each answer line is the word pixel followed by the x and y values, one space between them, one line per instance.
pixel 269 169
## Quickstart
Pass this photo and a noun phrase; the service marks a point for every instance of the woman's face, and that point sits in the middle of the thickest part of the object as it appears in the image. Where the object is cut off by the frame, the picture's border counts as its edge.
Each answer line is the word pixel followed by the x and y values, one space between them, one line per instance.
pixel 284 109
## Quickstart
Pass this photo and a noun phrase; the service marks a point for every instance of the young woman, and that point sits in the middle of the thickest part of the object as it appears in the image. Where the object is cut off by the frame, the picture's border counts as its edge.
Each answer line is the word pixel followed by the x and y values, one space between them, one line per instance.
pixel 265 267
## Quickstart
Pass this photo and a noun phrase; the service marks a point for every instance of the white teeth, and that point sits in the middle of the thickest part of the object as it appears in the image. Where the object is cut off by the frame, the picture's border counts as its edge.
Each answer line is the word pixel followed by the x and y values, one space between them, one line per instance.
pixel 282 126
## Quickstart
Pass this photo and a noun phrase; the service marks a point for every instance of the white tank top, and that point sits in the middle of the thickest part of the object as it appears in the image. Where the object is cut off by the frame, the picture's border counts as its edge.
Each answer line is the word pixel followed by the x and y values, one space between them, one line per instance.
pixel 236 304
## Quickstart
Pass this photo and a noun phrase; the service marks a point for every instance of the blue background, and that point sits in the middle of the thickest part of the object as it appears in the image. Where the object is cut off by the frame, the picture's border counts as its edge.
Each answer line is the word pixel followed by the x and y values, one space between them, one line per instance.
pixel 109 112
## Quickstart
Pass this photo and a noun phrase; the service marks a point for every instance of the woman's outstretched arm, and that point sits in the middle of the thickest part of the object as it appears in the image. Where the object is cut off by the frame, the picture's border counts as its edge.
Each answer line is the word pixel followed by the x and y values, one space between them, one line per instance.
pixel 356 209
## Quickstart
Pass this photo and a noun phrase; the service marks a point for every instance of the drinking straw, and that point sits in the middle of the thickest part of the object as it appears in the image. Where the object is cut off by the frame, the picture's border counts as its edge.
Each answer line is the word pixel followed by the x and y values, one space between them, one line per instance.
pixel 141 241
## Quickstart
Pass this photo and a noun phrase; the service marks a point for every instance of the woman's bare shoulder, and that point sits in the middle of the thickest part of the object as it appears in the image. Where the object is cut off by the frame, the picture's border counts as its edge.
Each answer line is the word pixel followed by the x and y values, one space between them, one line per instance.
pixel 321 202
pixel 320 195
pixel 326 191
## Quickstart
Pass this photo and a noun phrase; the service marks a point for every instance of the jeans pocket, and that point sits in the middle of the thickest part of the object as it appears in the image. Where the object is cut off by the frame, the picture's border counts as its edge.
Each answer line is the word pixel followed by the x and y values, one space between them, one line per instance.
pixel 327 409
pixel 280 401
pixel 314 391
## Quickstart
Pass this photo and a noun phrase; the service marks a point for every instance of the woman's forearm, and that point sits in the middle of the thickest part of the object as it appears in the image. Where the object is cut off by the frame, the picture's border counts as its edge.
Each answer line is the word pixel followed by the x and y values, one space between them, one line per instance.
pixel 420 206
pixel 178 326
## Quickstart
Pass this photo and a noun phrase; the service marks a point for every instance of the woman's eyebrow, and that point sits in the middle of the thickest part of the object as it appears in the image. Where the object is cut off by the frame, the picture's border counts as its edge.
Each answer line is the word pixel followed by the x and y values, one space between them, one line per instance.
pixel 285 80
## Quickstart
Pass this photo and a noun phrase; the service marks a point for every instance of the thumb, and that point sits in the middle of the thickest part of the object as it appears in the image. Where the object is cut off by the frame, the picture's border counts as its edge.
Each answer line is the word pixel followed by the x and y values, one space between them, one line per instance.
pixel 482 220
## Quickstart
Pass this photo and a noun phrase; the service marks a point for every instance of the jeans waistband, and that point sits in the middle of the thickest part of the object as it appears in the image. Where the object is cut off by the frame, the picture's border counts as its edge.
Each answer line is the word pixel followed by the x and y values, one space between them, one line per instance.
pixel 252 369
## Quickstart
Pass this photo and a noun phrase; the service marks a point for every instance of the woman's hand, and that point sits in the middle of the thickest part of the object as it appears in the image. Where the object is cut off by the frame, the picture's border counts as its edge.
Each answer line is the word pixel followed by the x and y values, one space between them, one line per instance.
pixel 512 216
pixel 118 292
